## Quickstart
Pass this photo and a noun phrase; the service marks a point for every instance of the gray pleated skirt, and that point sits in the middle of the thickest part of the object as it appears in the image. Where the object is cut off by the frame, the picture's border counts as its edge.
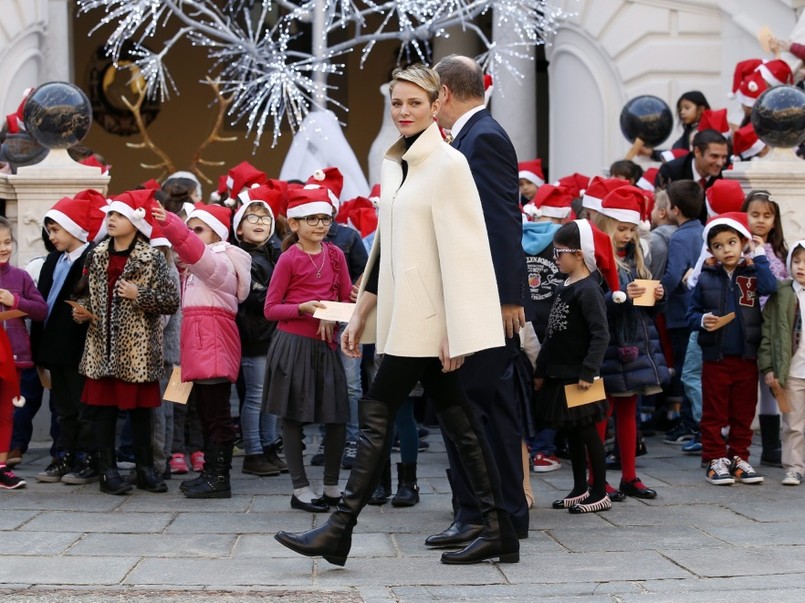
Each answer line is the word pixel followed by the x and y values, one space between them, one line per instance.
pixel 305 380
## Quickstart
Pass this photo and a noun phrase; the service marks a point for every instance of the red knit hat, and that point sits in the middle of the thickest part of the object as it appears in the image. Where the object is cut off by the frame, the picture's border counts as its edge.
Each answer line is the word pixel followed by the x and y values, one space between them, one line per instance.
pixel 734 219
pixel 751 88
pixel 724 196
pixel 743 70
pixel 776 72
pixel 310 201
pixel 746 144
pixel 82 216
pixel 714 119
pixel 598 189
pixel 263 195
pixel 136 206
pixel 531 171
pixel 217 217
pixel 552 201
pixel 243 175
pixel 331 179
pixel 598 255
pixel 575 184
pixel 624 204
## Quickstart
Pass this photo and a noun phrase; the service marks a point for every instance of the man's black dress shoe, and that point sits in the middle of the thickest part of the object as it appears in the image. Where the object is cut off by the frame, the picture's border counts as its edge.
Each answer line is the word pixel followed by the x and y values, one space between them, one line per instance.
pixel 458 534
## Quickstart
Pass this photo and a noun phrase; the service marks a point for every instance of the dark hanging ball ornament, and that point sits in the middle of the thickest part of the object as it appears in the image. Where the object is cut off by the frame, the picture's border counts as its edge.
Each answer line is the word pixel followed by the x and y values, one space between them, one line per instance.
pixel 648 118
pixel 57 115
pixel 779 116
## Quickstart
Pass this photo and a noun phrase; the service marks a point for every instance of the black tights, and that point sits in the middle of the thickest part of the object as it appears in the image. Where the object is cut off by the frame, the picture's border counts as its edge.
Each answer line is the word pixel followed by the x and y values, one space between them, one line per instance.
pixel 104 424
pixel 584 443
pixel 334 437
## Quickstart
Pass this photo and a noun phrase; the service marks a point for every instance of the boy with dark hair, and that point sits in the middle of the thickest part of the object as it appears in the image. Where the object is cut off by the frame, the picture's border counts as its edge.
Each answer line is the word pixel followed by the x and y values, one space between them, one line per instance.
pixel 725 309
pixel 685 200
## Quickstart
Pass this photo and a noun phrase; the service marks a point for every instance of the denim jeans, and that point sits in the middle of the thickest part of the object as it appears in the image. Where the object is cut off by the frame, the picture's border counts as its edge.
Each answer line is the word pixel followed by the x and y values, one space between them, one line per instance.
pixel 544 442
pixel 352 368
pixel 257 427
pixel 692 376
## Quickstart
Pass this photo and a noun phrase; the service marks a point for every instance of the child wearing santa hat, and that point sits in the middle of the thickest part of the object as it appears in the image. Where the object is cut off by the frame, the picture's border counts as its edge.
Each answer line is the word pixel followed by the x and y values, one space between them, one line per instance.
pixel 17 292
pixel 531 178
pixel 305 380
pixel 126 290
pixel 572 351
pixel 725 310
pixel 634 364
pixel 73 223
pixel 216 278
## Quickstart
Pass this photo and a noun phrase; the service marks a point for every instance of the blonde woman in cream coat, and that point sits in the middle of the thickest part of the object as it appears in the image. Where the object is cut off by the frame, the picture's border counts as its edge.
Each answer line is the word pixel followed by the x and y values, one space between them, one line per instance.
pixel 429 299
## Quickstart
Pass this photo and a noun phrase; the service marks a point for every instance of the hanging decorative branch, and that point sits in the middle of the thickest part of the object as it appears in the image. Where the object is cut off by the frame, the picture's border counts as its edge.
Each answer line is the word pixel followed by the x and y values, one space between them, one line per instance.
pixel 269 82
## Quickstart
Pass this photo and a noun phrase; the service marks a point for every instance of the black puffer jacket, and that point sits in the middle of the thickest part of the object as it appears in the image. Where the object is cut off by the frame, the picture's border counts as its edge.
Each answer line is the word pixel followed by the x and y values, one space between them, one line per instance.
pixel 255 330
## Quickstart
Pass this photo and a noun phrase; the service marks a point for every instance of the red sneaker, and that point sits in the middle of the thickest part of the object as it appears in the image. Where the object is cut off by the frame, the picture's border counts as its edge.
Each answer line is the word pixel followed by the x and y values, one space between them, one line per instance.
pixel 545 463
pixel 197 461
pixel 178 464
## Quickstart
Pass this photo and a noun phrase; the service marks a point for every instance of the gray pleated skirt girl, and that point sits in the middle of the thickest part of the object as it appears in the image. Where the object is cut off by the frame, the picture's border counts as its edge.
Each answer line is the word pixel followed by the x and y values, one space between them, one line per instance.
pixel 305 380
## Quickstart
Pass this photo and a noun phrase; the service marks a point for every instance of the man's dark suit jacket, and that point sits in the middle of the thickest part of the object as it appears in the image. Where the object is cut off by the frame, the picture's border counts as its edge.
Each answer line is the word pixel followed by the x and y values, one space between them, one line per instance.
pixel 493 163
pixel 682 169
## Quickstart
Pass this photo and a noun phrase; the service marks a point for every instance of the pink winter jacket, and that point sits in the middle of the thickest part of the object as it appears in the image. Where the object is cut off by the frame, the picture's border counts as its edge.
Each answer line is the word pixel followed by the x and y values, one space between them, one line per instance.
pixel 215 279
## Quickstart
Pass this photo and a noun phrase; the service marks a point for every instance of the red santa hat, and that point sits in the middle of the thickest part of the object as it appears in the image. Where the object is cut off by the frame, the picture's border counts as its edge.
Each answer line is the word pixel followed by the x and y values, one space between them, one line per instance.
pixel 263 195
pixel 217 217
pixel 646 181
pixel 136 206
pixel 598 189
pixel 91 161
pixel 624 204
pixel 310 201
pixel 243 175
pixel 724 196
pixel 531 171
pixel 575 184
pixel 776 72
pixel 746 144
pixel 152 184
pixel 82 216
pixel 331 179
pixel 671 154
pixel 550 201
pixel 489 88
pixel 714 119
pixel 596 246
pixel 734 219
pixel 360 214
pixel 14 121
pixel 751 88
pixel 743 70
pixel 374 195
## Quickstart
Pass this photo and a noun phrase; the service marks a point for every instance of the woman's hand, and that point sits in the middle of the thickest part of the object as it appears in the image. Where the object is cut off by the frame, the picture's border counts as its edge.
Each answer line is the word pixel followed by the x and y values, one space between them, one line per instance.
pixel 584 385
pixel 351 337
pixel 81 314
pixel 325 330
pixel 309 307
pixel 159 213
pixel 126 289
pixel 659 293
pixel 6 298
pixel 633 290
pixel 449 364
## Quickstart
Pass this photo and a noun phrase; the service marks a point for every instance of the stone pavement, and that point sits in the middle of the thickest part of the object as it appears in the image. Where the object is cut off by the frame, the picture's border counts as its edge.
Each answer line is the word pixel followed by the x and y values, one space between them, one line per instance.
pixel 695 542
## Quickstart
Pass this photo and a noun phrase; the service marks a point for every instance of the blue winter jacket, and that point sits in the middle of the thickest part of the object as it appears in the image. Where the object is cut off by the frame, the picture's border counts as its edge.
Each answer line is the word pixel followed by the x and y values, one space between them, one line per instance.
pixel 720 294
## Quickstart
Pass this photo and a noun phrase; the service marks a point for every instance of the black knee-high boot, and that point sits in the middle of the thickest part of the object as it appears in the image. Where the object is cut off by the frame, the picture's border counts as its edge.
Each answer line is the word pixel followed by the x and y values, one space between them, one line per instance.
pixel 333 539
pixel 498 538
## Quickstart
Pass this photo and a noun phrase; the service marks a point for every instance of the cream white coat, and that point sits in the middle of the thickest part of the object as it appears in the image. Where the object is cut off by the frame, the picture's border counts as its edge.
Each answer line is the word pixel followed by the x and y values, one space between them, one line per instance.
pixel 436 274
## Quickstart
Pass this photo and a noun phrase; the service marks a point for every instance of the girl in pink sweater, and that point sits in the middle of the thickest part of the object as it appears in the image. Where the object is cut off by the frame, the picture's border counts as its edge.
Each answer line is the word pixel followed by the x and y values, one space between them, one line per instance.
pixel 216 277
pixel 305 380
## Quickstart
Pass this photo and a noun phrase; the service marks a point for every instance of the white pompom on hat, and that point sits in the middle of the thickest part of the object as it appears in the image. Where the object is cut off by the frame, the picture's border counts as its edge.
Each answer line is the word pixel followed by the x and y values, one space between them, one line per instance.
pixel 136 206
pixel 331 179
pixel 596 246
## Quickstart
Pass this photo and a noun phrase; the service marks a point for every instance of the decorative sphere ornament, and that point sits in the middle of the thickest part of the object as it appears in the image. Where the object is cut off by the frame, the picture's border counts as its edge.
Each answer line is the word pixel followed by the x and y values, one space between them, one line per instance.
pixel 779 116
pixel 648 118
pixel 57 115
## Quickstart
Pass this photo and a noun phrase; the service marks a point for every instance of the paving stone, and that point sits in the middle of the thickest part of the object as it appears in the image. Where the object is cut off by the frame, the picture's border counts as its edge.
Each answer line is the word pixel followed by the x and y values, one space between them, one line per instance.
pixel 577 540
pixel 696 515
pixel 241 523
pixel 223 572
pixel 68 570
pixel 155 545
pixel 12 520
pixel 363 545
pixel 45 544
pixel 724 562
pixel 415 570
pixel 58 521
pixel 58 498
pixel 170 503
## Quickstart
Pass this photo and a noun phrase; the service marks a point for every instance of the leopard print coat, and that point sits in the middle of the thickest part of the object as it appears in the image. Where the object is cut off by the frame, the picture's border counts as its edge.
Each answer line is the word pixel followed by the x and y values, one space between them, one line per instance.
pixel 126 343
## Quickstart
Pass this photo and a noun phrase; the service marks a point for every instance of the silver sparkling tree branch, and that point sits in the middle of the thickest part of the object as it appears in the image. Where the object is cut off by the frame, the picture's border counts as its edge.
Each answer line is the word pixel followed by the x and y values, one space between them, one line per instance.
pixel 250 43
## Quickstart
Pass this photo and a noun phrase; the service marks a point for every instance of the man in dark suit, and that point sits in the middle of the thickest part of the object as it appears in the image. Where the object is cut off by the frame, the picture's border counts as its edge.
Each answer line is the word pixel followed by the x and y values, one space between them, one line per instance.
pixel 704 165
pixel 488 376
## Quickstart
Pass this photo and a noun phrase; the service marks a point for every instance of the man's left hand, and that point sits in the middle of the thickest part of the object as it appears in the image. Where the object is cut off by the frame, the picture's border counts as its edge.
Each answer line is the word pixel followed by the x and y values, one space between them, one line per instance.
pixel 513 319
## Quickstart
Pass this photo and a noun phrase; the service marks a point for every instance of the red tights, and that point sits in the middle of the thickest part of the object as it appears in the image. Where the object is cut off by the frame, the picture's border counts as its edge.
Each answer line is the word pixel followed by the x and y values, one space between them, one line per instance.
pixel 626 431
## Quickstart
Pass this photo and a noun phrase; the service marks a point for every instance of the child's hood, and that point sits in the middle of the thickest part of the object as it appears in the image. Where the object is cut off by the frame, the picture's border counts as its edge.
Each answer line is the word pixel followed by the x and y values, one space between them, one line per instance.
pixel 537 236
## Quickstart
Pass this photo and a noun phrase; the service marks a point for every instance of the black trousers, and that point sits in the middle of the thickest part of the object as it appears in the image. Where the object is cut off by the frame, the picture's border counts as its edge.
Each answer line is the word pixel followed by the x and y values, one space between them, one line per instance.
pixel 212 406
pixel 488 380
pixel 75 429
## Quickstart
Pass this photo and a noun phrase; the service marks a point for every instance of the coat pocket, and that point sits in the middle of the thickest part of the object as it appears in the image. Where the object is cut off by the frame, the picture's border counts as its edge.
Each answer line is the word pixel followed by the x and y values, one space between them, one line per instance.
pixel 419 293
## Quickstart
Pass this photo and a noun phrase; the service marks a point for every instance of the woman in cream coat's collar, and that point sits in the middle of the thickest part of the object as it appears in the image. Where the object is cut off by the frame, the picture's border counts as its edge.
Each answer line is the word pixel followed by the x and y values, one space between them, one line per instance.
pixel 427 142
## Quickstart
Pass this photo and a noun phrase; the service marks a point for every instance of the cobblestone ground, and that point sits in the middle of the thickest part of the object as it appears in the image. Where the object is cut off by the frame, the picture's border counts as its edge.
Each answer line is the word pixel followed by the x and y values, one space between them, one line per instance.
pixel 695 542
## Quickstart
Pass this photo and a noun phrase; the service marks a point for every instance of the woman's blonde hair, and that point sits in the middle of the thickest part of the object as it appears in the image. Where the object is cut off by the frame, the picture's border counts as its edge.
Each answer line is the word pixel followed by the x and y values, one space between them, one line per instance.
pixel 609 226
pixel 419 75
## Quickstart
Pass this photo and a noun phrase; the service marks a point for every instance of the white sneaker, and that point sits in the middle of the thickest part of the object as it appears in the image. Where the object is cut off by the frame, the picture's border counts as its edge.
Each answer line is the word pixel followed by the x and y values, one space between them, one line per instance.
pixel 792 478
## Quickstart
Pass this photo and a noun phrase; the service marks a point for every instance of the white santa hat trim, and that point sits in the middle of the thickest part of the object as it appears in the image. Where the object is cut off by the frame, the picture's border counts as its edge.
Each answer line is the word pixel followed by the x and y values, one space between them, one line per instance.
pixel 530 209
pixel 217 226
pixel 667 156
pixel 531 177
pixel 587 244
pixel 725 222
pixel 622 215
pixel 68 224
pixel 335 201
pixel 246 202
pixel 589 202
pixel 767 75
pixel 756 148
pixel 188 176
pixel 160 242
pixel 135 216
pixel 555 212
pixel 311 209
